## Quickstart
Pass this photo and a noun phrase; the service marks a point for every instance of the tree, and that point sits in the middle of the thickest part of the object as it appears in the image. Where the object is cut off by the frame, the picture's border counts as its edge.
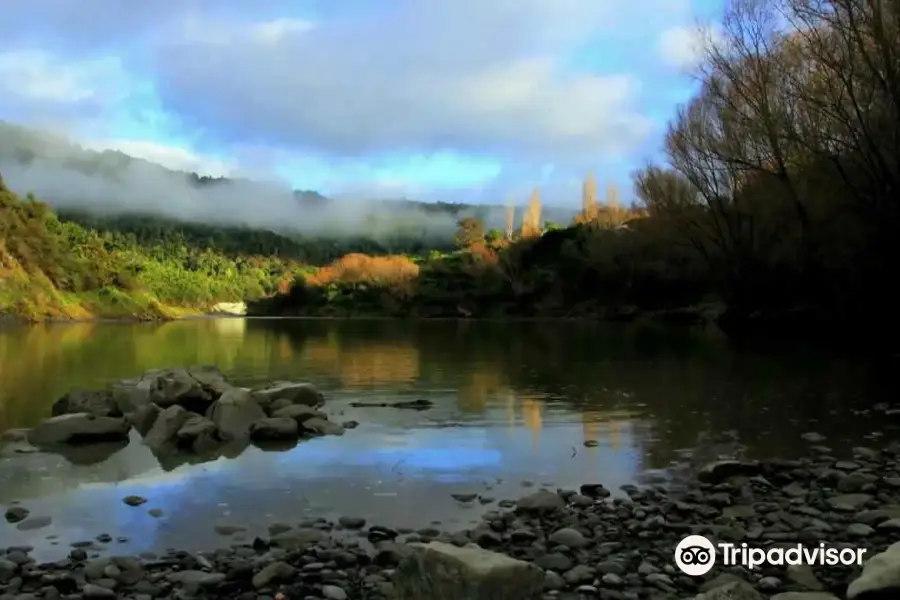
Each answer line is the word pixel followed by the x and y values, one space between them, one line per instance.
pixel 469 232
pixel 531 219
pixel 589 198
pixel 510 221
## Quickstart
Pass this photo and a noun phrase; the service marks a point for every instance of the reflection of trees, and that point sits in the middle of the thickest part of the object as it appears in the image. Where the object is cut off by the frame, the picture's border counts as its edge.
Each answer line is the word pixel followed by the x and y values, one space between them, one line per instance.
pixel 671 385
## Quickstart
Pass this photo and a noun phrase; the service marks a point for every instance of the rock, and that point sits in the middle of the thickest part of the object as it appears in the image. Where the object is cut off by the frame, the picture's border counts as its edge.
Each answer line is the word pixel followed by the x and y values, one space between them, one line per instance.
pixel 804 596
pixel 198 434
pixel 276 571
pixel 100 403
pixel 446 572
pixel 352 522
pixel 143 417
pixel 78 428
pixel 299 412
pixel 134 500
pixel 813 437
pixel 163 435
pixel 293 392
pixel 880 574
pixel 181 387
pixel 15 514
pixel 803 575
pixel 91 590
pixel 14 436
pixel 735 590
pixel 32 523
pixel 333 592
pixel 234 412
pixel 540 502
pixel 274 428
pixel 568 537
pixel 322 427
pixel 849 502
pixel 719 471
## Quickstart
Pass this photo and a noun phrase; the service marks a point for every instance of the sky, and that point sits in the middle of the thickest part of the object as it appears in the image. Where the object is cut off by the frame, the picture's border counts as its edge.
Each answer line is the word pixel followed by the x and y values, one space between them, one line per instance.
pixel 468 100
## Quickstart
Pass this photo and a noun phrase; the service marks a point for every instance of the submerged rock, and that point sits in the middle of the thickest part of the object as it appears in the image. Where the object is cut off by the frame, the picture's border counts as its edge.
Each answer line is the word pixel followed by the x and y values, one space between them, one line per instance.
pixel 78 428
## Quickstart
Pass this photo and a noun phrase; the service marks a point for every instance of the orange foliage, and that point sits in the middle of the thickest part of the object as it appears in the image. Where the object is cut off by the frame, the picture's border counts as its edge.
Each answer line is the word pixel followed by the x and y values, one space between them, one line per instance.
pixel 284 286
pixel 483 254
pixel 383 271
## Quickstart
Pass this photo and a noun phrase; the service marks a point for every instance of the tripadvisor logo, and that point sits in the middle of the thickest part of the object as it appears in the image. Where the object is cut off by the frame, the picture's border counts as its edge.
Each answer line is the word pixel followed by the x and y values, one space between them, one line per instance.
pixel 695 555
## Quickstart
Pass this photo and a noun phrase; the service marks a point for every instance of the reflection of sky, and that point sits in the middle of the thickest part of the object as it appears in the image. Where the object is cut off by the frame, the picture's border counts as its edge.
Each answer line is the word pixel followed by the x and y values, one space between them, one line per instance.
pixel 395 475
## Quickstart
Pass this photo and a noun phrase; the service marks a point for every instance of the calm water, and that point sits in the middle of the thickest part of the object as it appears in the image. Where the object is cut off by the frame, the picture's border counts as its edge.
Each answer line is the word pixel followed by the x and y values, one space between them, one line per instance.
pixel 514 404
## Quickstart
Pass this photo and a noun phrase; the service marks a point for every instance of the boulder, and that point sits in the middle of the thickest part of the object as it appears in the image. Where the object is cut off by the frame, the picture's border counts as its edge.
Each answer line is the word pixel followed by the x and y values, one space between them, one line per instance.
pixel 447 572
pixel 299 412
pixel 179 387
pixel 78 428
pixel 321 426
pixel 198 434
pixel 294 392
pixel 880 576
pixel 234 412
pixel 274 428
pixel 100 403
pixel 143 417
pixel 163 436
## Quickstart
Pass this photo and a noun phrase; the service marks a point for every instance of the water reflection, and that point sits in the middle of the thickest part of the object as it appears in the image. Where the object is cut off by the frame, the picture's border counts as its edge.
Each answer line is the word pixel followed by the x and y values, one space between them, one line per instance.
pixel 513 402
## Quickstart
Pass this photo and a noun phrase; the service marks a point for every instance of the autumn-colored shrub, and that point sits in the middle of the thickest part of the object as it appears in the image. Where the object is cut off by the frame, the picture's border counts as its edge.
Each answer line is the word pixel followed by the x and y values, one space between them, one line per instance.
pixel 380 271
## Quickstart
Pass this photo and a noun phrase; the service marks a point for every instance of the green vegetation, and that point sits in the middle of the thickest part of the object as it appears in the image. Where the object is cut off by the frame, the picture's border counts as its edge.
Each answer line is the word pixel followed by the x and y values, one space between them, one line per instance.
pixel 778 202
pixel 59 269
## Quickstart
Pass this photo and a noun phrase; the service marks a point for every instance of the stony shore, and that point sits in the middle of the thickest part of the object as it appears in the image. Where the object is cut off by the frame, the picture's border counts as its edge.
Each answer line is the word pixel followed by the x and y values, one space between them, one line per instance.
pixel 564 544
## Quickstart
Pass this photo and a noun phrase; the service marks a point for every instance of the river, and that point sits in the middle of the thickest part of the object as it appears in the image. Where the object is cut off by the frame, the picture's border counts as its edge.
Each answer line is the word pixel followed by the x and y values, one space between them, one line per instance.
pixel 514 404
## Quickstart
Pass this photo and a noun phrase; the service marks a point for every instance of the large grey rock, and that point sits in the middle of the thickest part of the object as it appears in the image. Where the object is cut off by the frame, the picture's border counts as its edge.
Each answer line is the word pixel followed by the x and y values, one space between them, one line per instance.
pixel 100 403
pixel 439 571
pixel 234 412
pixel 163 435
pixel 299 412
pixel 178 386
pixel 143 417
pixel 78 428
pixel 274 428
pixel 880 576
pixel 198 433
pixel 294 392
pixel 322 427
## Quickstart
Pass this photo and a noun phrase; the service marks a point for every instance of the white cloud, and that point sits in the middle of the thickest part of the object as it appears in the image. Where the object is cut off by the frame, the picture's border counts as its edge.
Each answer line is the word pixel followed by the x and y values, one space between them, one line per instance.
pixel 172 157
pixel 38 76
pixel 684 47
pixel 483 77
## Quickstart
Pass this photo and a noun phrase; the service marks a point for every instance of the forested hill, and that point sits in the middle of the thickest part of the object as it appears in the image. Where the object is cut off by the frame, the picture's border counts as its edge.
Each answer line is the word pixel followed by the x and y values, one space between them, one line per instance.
pixel 68 176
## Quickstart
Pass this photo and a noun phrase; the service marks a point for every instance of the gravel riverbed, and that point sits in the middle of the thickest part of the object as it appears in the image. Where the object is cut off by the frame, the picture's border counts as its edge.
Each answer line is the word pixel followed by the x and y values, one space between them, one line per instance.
pixel 585 543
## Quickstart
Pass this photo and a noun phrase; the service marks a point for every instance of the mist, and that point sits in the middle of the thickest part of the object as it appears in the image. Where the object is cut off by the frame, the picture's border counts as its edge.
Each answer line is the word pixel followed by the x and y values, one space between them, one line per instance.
pixel 109 184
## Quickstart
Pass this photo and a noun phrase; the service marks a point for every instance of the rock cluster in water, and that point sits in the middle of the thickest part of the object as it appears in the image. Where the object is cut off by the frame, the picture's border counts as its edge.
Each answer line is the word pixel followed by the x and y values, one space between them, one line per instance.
pixel 184 413
pixel 563 544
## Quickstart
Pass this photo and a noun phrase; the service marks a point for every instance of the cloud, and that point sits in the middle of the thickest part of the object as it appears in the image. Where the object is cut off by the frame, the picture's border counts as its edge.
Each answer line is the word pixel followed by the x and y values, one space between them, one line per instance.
pixel 357 93
pixel 171 157
pixel 485 78
pixel 684 47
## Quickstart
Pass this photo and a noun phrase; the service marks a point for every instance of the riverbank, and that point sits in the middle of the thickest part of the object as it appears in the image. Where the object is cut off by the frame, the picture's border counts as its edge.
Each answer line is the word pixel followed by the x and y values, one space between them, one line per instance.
pixel 585 543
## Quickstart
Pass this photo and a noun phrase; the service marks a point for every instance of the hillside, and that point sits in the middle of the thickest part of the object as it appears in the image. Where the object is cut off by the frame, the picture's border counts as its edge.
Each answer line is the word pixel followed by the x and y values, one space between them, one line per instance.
pixel 75 180
pixel 55 269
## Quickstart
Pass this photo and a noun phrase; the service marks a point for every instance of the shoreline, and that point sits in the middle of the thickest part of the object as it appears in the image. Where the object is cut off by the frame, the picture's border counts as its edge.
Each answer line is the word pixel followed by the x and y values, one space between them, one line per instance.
pixel 585 543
